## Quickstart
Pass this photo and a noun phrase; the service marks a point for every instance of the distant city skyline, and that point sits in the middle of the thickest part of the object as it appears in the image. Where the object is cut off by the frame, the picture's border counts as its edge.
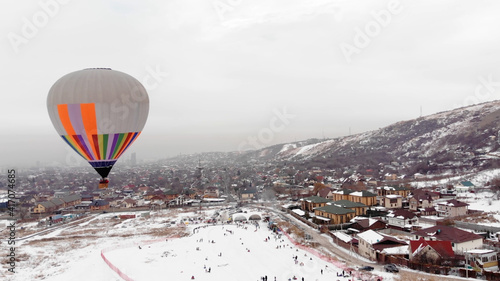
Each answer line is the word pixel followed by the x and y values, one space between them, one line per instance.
pixel 238 75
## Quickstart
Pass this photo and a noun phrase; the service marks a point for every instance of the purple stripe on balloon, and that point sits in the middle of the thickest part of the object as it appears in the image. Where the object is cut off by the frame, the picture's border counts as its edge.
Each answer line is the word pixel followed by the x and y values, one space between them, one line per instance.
pixel 110 147
pixel 85 147
pixel 75 116
pixel 113 146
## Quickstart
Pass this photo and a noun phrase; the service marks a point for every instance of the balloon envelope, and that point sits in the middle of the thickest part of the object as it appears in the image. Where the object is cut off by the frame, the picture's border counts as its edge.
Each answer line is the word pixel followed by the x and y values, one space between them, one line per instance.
pixel 99 112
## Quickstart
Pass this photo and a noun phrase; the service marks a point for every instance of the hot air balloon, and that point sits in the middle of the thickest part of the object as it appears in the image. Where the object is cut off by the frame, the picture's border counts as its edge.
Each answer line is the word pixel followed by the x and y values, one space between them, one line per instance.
pixel 99 113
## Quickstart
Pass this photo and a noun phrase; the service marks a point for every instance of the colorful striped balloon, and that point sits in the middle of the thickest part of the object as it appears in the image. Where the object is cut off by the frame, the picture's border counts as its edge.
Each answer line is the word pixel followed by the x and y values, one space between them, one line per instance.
pixel 99 113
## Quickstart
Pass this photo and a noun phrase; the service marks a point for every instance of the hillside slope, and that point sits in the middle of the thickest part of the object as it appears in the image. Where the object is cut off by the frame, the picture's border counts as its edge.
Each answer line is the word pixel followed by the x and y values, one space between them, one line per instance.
pixel 461 139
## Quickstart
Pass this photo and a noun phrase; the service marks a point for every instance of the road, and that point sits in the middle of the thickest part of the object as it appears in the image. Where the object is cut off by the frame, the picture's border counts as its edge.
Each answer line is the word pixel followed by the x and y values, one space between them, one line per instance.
pixel 351 260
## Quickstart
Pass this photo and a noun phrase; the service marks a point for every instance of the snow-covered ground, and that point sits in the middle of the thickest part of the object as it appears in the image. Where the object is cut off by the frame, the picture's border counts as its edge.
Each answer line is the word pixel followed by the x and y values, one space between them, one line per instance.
pixel 144 248
pixel 479 179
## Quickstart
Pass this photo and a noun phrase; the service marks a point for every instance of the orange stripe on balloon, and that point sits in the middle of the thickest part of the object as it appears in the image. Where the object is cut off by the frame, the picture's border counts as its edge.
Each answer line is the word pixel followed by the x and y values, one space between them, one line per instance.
pixel 90 125
pixel 62 109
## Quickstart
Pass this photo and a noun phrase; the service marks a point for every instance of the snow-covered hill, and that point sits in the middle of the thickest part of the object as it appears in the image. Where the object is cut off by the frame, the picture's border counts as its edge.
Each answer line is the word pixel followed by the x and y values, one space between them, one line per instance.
pixel 461 139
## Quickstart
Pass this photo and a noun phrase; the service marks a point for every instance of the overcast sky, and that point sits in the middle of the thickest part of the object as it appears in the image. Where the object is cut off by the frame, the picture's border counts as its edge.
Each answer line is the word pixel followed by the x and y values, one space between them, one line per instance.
pixel 232 75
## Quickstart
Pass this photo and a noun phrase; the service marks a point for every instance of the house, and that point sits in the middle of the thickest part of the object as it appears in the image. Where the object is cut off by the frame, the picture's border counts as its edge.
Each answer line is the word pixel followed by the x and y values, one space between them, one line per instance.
pixel 372 243
pixel 47 206
pixel 422 199
pixel 150 194
pixel 430 252
pixel 99 205
pixel 363 224
pixel 365 197
pixel 309 203
pixel 61 194
pixel 331 214
pixel 57 203
pixel 358 208
pixel 402 219
pixel 211 192
pixel 392 201
pixel 483 258
pixel 452 208
pixel 464 186
pixel 341 194
pixel 71 200
pixel 431 211
pixel 190 193
pixel 27 199
pixel 393 190
pixel 325 193
pixel 182 200
pixel 248 193
pixel 171 194
pixel 129 203
pixel 461 240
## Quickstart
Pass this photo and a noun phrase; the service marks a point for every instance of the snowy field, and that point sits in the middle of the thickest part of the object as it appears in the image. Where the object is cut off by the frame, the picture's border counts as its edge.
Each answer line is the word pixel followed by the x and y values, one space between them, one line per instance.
pixel 170 245
pixel 228 252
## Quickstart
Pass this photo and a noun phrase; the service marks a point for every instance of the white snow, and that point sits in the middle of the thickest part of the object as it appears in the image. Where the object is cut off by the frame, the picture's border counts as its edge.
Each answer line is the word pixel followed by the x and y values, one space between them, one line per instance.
pixel 245 252
pixel 370 236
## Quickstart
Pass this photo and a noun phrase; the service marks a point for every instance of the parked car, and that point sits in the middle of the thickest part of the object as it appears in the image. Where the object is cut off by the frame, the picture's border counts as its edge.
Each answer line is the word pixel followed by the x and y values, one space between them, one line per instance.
pixel 391 268
pixel 367 268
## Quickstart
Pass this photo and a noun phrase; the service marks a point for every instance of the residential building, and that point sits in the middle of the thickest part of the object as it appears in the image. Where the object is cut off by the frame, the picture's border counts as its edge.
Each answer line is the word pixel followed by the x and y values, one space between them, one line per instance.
pixel 393 190
pixel 452 208
pixel 211 192
pixel 358 208
pixel 57 203
pixel 248 193
pixel 99 205
pixel 331 214
pixel 129 203
pixel 365 197
pixel 363 224
pixel 171 194
pixel 464 186
pixel 312 202
pixel 341 194
pixel 402 219
pixel 372 243
pixel 461 240
pixel 482 258
pixel 422 199
pixel 431 252
pixel 392 201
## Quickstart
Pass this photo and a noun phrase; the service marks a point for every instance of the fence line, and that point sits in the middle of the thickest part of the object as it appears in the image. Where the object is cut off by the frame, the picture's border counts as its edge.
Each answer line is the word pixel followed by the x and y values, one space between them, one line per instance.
pixel 119 247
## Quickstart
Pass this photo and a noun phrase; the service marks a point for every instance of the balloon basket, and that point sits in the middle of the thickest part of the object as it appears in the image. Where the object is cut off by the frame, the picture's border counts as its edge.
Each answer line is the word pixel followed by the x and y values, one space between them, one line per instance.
pixel 103 185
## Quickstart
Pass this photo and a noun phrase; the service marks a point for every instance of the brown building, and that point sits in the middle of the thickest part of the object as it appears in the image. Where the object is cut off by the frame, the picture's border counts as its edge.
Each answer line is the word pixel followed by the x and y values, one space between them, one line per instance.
pixel 452 208
pixel 312 202
pixel 365 197
pixel 331 214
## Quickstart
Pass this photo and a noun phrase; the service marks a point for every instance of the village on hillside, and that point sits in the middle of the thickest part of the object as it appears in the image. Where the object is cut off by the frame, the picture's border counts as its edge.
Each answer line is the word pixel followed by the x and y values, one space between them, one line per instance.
pixel 449 229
